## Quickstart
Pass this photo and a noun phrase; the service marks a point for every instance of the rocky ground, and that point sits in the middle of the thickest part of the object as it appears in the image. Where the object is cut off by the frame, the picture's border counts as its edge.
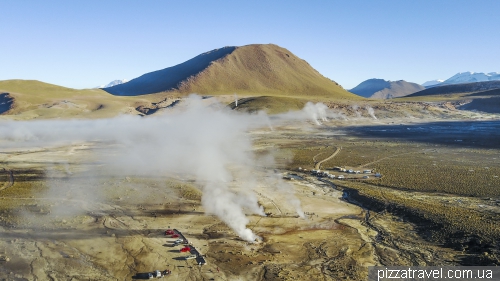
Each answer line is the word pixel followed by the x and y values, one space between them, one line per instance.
pixel 119 232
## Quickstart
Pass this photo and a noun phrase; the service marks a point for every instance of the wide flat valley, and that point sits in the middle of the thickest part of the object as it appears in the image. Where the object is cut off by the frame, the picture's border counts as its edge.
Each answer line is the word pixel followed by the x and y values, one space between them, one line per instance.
pixel 65 216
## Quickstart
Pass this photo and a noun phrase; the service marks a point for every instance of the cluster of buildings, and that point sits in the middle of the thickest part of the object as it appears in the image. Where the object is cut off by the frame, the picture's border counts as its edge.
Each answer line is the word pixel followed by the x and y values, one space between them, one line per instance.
pixel 326 174
pixel 350 171
pixel 321 174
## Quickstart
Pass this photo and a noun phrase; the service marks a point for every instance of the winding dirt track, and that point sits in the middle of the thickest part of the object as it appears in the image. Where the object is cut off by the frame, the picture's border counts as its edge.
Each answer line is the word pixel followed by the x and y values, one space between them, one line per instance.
pixel 318 165
pixel 276 206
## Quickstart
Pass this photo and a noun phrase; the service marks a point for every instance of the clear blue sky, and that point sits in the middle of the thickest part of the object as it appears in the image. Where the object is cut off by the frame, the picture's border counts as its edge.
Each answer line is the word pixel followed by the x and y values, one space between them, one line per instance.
pixel 82 44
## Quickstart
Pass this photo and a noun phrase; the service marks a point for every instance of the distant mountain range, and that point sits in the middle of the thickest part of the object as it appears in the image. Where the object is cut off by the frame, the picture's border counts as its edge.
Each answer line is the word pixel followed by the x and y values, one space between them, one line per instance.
pixel 464 77
pixel 383 89
pixel 112 83
pixel 263 69
pixel 432 83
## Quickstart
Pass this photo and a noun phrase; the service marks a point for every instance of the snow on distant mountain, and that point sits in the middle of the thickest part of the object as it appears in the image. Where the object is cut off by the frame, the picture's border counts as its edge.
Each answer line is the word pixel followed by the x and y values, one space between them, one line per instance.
pixel 432 82
pixel 465 77
pixel 470 77
pixel 112 83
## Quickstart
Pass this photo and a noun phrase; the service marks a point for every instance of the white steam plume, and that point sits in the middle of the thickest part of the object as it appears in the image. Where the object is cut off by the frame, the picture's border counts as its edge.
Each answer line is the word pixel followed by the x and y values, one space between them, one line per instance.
pixel 283 187
pixel 371 111
pixel 355 108
pixel 317 112
pixel 236 100
pixel 211 145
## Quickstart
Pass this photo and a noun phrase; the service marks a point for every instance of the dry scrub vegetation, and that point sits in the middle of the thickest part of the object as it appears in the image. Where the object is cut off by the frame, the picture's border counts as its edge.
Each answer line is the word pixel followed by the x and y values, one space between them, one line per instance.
pixel 451 193
pixel 417 173
pixel 421 167
pixel 307 157
pixel 450 221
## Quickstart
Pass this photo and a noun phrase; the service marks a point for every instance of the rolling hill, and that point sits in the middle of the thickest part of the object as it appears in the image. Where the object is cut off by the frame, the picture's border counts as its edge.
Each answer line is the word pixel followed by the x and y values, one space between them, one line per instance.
pixel 277 79
pixel 383 89
pixel 479 96
pixel 489 105
pixel 29 99
pixel 249 70
pixel 457 89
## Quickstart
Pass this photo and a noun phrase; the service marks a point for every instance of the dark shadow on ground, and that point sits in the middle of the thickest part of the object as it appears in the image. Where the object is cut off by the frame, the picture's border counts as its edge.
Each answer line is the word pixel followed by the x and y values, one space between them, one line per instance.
pixel 474 134
pixel 68 234
pixel 141 276
pixel 6 102
pixel 169 78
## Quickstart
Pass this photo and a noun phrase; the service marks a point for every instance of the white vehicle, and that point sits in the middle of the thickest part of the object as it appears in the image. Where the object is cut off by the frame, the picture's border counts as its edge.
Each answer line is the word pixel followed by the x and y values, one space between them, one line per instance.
pixel 158 274
pixel 340 177
pixel 155 274
pixel 190 257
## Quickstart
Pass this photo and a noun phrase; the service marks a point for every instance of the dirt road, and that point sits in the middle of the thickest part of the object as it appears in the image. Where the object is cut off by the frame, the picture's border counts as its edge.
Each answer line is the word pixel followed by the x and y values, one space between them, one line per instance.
pixel 318 165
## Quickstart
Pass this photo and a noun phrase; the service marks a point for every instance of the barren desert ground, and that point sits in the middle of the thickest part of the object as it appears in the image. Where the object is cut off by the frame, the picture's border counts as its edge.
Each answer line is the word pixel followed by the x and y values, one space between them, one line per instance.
pixel 66 216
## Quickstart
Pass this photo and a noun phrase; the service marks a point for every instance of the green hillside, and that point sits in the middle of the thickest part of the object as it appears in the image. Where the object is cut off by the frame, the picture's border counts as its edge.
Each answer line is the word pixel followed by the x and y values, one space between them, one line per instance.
pixel 35 99
pixel 271 77
pixel 264 70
